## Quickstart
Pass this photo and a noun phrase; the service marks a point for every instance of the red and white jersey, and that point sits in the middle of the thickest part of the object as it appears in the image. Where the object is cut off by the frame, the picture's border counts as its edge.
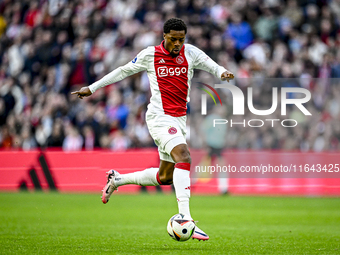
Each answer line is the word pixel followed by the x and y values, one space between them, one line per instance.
pixel 170 77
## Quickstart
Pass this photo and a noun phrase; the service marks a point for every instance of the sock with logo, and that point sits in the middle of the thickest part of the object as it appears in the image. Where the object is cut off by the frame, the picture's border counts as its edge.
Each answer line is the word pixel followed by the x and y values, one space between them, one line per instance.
pixel 148 177
pixel 181 181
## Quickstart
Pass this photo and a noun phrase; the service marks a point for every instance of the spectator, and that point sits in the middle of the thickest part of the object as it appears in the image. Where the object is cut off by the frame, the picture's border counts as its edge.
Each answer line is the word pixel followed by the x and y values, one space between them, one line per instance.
pixel 28 141
pixel 266 26
pixel 116 111
pixel 119 141
pixel 88 138
pixel 239 31
pixel 57 137
pixel 73 140
pixel 293 13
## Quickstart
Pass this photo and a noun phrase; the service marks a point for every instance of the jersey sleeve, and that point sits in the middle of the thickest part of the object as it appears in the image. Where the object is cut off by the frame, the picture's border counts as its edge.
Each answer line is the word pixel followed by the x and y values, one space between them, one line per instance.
pixel 138 64
pixel 204 62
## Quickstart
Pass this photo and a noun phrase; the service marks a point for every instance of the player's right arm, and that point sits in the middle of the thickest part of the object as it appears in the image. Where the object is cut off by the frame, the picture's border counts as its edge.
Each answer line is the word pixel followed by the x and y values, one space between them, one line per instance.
pixel 137 65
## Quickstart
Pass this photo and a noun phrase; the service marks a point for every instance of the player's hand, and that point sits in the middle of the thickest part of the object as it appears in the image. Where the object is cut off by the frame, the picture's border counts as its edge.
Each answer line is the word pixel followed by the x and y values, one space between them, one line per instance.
pixel 83 92
pixel 227 76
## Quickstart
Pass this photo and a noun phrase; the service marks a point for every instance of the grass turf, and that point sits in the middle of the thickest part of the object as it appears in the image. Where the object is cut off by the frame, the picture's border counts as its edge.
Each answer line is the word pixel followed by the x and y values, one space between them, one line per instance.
pixel 52 223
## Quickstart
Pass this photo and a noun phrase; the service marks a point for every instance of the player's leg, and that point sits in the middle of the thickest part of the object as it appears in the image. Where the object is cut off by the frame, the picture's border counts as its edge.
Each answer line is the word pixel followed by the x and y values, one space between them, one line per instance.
pixel 181 180
pixel 181 176
pixel 166 171
pixel 150 176
pixel 147 177
pixel 178 173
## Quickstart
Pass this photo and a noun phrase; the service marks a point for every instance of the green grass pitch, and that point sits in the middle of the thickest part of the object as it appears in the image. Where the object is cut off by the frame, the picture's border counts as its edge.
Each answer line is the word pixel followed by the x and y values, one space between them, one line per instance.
pixel 52 223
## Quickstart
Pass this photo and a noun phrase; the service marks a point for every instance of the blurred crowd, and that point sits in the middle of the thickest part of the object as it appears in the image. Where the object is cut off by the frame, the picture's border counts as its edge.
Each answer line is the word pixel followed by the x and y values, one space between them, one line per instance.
pixel 51 48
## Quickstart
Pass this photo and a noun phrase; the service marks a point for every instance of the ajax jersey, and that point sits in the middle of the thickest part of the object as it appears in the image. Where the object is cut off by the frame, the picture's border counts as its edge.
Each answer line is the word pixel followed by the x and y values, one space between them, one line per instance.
pixel 170 77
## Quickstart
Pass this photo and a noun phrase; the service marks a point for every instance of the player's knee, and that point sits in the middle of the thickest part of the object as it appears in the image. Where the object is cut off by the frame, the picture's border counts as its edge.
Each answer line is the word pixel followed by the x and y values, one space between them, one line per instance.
pixel 183 157
pixel 181 154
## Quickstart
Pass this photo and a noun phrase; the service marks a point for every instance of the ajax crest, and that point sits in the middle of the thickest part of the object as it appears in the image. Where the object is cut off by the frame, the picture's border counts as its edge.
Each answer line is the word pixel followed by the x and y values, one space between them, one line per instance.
pixel 172 130
pixel 179 60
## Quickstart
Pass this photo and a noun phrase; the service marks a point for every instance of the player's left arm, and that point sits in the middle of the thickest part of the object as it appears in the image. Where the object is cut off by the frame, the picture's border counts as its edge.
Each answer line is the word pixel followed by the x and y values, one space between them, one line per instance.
pixel 204 62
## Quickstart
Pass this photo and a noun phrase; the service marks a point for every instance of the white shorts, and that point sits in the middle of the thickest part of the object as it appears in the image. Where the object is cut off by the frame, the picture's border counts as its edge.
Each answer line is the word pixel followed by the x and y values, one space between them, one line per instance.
pixel 167 132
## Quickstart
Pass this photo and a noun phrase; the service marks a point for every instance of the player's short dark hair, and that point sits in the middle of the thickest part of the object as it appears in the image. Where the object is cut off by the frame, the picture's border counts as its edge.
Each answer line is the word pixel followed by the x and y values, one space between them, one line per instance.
pixel 174 24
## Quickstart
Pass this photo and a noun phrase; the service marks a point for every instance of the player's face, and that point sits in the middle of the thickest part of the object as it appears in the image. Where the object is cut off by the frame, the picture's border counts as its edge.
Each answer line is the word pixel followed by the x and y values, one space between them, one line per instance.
pixel 174 41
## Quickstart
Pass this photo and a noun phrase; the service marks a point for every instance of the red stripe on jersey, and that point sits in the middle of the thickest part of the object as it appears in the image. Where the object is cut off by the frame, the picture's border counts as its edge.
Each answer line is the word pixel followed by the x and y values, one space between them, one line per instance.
pixel 172 79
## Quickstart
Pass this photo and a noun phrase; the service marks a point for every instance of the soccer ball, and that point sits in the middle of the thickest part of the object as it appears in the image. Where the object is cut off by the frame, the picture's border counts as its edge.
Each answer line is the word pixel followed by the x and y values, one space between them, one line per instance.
pixel 181 227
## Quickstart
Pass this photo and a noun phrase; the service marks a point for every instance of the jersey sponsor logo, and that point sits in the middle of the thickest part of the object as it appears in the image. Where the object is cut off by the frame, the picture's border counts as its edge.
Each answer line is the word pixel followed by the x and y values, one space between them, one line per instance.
pixel 165 71
pixel 161 61
pixel 179 59
pixel 172 130
pixel 134 61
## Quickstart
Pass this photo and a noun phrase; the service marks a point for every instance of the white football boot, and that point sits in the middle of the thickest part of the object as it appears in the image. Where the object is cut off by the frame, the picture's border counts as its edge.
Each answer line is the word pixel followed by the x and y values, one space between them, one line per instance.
pixel 110 186
pixel 199 234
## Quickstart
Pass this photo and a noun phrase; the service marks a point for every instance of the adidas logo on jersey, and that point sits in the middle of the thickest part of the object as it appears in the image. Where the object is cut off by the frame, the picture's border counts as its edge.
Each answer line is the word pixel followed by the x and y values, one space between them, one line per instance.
pixel 161 61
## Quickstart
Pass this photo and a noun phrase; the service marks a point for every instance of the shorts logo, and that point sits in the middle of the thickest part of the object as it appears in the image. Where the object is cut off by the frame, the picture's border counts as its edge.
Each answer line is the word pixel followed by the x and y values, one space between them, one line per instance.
pixel 179 59
pixel 134 61
pixel 172 130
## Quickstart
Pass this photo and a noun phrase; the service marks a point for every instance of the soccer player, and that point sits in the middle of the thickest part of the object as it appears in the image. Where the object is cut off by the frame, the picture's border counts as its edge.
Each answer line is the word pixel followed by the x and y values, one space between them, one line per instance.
pixel 170 68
